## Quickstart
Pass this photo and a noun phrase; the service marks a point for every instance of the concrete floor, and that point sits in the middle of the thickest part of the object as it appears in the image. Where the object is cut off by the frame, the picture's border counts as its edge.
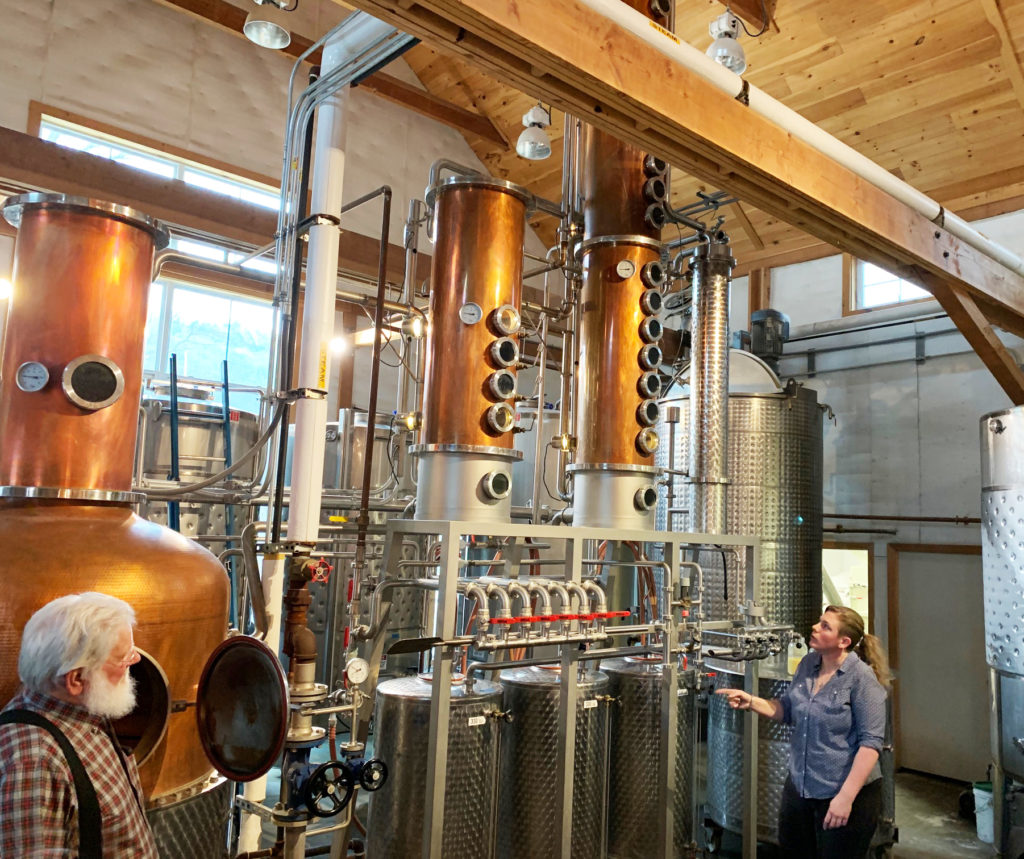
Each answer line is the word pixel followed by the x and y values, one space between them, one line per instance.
pixel 927 818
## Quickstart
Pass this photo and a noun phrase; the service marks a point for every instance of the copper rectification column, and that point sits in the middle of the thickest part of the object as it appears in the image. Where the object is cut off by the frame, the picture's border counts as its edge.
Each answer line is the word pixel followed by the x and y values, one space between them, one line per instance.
pixel 69 401
pixel 710 269
pixel 623 190
pixel 472 350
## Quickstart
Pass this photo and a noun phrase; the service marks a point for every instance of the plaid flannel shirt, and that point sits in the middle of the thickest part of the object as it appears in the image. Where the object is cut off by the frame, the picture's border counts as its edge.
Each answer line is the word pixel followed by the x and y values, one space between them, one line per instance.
pixel 38 808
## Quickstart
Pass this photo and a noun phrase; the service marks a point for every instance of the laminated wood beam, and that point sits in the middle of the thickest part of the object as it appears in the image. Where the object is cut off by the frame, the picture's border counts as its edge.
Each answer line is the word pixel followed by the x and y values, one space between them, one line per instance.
pixel 30 163
pixel 584 64
pixel 977 330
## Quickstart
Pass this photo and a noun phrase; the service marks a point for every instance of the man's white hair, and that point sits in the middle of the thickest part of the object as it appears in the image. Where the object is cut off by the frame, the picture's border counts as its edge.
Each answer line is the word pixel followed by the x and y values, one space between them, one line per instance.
pixel 74 631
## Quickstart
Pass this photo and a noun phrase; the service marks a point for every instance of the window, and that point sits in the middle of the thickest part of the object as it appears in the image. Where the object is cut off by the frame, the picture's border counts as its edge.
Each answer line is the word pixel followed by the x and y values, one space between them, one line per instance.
pixel 202 326
pixel 867 286
pixel 149 159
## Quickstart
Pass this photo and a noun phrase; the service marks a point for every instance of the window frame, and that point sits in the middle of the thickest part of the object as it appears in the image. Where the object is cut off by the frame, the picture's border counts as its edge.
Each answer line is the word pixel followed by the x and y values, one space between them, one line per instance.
pixel 850 308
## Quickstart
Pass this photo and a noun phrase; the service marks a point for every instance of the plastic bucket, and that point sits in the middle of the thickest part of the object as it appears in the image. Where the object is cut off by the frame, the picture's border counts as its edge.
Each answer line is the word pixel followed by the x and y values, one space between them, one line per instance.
pixel 983 811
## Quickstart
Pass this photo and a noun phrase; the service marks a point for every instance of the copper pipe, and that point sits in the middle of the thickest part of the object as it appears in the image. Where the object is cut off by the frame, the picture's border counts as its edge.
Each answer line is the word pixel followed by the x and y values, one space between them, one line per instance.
pixel 478 259
pixel 79 287
pixel 609 370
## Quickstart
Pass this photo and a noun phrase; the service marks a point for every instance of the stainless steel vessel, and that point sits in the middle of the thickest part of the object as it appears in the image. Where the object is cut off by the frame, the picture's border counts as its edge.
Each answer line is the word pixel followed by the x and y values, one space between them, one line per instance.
pixel 395 826
pixel 529 780
pixel 775 489
pixel 725 760
pixel 1002 524
pixel 636 749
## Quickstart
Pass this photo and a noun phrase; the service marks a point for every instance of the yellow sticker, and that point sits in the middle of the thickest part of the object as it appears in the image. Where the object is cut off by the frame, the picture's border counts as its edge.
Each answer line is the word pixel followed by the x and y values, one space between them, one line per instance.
pixel 664 32
pixel 321 375
pixel 337 519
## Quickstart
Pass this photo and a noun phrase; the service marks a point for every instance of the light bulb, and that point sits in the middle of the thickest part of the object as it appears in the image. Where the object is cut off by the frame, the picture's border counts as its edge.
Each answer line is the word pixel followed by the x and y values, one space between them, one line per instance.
pixel 266 26
pixel 726 51
pixel 533 144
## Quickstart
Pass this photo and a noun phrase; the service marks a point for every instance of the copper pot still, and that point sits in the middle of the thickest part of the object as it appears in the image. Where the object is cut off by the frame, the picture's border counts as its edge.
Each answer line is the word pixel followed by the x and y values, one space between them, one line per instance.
pixel 69 397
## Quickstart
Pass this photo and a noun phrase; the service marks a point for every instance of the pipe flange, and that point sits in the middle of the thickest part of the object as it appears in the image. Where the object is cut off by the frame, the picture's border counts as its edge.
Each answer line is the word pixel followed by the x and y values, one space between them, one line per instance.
pixel 651 329
pixel 631 240
pixel 60 493
pixel 500 418
pixel 14 208
pixel 504 352
pixel 653 275
pixel 654 166
pixel 649 385
pixel 579 467
pixel 496 485
pixel 645 498
pixel 648 413
pixel 647 441
pixel 505 320
pixel 650 357
pixel 651 300
pixel 481 181
pixel 475 449
pixel 655 190
pixel 501 384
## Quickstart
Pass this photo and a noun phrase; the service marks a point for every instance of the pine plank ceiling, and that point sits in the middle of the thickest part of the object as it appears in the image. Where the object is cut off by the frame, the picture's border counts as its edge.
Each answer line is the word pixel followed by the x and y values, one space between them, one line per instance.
pixel 930 89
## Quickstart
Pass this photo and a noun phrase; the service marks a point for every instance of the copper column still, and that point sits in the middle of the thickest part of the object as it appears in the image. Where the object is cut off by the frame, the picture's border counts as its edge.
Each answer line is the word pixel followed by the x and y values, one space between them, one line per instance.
pixel 472 350
pixel 623 191
pixel 69 400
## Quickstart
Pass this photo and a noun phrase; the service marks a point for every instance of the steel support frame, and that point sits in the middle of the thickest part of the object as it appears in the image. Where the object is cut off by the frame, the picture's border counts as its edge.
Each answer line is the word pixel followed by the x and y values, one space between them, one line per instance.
pixel 450 534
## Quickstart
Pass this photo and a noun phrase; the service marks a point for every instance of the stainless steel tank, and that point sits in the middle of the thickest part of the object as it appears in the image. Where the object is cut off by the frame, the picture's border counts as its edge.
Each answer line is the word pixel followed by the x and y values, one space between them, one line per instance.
pixel 725 759
pixel 775 493
pixel 200 438
pixel 635 755
pixel 1002 549
pixel 529 779
pixel 402 722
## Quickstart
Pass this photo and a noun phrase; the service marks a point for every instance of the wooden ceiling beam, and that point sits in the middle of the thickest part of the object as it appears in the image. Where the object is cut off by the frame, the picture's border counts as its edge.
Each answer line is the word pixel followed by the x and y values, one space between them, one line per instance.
pixel 230 19
pixel 978 331
pixel 1011 66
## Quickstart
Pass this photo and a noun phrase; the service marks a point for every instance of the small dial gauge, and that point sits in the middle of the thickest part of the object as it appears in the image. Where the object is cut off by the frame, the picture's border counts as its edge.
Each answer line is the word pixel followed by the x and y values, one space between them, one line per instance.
pixel 32 376
pixel 625 268
pixel 356 671
pixel 471 313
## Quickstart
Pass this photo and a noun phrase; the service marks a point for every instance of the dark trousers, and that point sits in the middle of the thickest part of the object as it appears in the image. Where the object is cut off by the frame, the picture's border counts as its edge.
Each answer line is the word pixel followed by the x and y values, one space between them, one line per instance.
pixel 801 825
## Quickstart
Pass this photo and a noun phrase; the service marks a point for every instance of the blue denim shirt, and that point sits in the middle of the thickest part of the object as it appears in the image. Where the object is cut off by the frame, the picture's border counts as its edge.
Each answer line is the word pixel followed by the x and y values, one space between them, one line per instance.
pixel 829 728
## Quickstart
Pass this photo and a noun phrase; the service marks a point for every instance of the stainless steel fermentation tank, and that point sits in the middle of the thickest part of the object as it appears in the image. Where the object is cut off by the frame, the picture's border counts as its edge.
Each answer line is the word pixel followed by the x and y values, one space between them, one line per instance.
pixel 529 777
pixel 775 493
pixel 636 747
pixel 395 826
pixel 1002 547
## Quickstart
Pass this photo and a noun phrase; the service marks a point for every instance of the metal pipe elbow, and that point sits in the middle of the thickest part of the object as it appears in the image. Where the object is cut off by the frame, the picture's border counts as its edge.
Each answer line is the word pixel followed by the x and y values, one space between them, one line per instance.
pixel 494 590
pixel 542 593
pixel 577 589
pixel 597 593
pixel 515 588
pixel 563 594
pixel 483 611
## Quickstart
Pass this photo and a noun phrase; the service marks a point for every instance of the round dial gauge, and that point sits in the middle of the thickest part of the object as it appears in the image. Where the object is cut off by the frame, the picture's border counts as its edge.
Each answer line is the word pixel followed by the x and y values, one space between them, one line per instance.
pixel 471 313
pixel 356 671
pixel 32 376
pixel 625 268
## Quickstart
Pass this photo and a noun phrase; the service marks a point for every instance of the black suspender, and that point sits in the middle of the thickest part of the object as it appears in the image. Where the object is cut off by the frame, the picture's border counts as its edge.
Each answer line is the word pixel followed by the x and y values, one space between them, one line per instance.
pixel 90 836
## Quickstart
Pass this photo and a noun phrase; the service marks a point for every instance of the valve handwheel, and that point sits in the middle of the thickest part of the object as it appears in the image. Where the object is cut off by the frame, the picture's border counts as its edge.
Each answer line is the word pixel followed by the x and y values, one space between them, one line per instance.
pixel 327 790
pixel 373 774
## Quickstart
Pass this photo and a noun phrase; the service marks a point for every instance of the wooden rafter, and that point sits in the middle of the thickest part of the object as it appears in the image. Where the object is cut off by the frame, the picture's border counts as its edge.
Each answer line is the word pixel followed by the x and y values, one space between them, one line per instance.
pixel 1011 66
pixel 978 331
pixel 230 19
pixel 585 64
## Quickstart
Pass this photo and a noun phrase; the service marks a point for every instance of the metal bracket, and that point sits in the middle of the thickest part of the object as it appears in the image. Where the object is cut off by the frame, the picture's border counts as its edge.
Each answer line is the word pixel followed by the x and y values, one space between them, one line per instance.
pixel 302 394
pixel 250 807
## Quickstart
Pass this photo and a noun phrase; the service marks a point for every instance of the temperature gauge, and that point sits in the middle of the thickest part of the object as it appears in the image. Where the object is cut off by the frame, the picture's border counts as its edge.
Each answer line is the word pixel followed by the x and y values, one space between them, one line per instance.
pixel 32 377
pixel 356 671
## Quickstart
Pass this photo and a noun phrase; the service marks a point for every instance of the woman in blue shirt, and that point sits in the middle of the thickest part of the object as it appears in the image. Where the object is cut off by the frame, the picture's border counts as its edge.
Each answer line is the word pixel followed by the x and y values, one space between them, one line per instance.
pixel 836 705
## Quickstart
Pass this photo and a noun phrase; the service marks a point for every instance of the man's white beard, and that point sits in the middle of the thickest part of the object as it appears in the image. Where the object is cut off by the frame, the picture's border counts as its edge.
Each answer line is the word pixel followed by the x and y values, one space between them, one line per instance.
pixel 113 700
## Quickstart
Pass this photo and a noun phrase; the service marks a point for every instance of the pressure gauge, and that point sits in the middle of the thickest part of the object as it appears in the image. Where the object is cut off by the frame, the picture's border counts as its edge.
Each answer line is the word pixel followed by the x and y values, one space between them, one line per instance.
pixel 625 268
pixel 32 376
pixel 471 313
pixel 356 671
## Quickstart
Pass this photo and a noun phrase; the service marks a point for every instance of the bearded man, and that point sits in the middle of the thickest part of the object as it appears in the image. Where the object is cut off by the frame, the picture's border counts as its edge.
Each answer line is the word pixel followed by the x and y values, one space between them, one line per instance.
pixel 67 788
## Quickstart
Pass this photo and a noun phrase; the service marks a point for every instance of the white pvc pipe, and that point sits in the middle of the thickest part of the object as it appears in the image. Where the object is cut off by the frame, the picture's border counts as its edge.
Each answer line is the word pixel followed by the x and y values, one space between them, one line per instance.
pixel 732 84
pixel 321 285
